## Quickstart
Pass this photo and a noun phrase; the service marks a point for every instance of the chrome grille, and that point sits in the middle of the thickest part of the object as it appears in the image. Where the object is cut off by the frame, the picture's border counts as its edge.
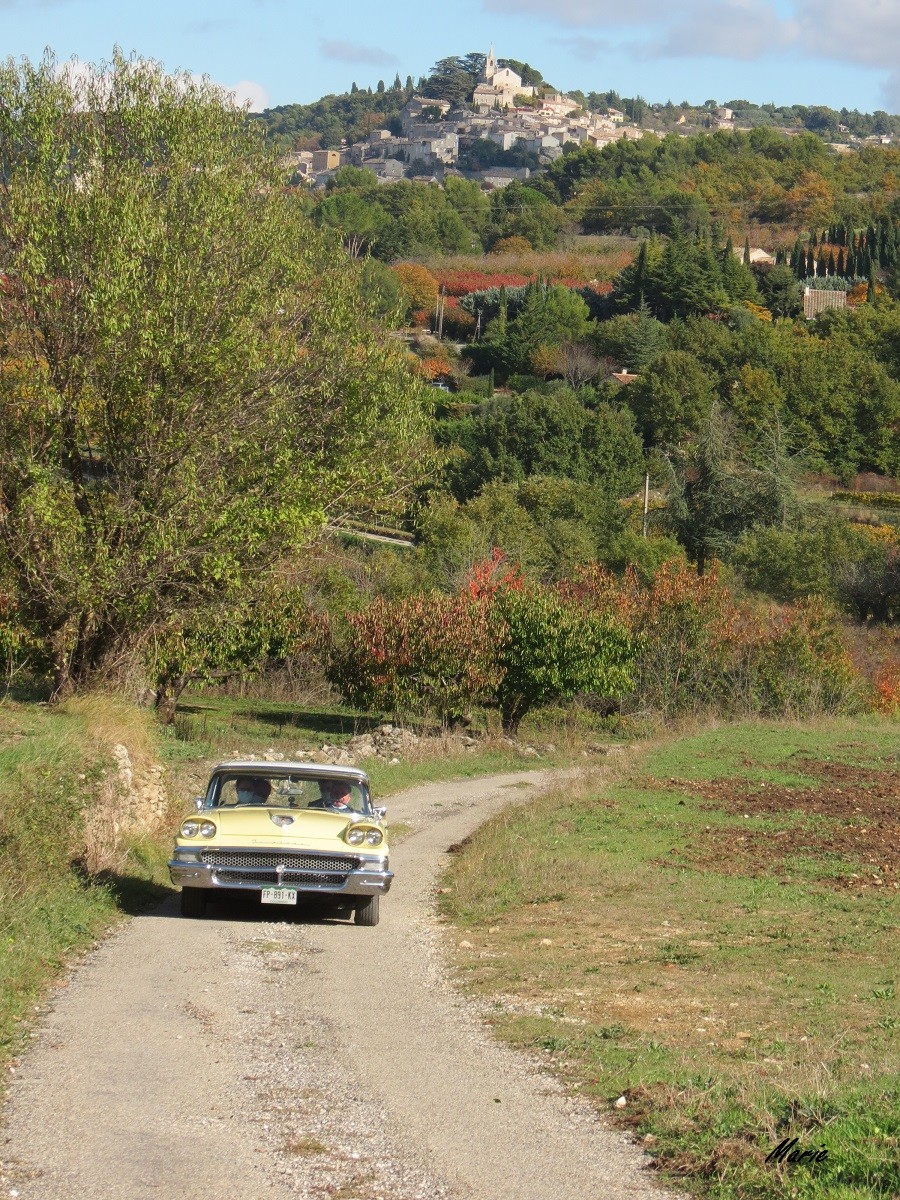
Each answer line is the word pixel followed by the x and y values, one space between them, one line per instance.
pixel 291 860
pixel 263 876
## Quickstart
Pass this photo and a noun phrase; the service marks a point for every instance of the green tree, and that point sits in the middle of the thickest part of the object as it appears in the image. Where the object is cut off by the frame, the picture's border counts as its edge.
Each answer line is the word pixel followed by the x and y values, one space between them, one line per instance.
pixel 715 493
pixel 554 648
pixel 672 397
pixel 190 384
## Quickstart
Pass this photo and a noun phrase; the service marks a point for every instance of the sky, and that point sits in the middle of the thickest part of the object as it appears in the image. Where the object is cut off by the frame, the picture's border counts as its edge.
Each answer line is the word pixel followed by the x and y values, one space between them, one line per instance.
pixel 269 52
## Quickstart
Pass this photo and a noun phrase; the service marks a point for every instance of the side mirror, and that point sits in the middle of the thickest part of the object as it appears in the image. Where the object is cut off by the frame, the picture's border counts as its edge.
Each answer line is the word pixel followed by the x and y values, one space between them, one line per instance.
pixel 199 803
pixel 381 813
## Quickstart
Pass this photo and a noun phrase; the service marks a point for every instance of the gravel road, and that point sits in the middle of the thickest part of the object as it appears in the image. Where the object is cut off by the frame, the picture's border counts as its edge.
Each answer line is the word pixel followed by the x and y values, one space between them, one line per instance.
pixel 299 1057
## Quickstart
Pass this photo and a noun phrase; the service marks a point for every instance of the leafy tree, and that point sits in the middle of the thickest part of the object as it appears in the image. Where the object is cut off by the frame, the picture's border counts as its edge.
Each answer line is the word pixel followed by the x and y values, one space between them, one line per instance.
pixel 554 648
pixel 189 384
pixel 671 398
pixel 781 293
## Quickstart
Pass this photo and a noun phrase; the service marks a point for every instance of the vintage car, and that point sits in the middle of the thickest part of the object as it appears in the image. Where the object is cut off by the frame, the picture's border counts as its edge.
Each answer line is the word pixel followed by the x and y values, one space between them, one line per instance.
pixel 284 831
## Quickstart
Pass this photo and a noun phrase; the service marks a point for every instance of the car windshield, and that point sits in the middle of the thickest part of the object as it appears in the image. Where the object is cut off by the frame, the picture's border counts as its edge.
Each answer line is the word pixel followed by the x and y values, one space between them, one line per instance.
pixel 328 793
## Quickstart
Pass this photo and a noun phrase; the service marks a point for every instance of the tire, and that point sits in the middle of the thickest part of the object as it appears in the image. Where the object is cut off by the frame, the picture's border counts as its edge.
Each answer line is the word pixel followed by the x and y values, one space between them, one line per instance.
pixel 367 912
pixel 193 902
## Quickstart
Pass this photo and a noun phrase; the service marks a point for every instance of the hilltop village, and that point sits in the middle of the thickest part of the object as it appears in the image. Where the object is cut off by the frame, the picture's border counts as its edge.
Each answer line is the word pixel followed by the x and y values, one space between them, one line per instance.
pixel 502 110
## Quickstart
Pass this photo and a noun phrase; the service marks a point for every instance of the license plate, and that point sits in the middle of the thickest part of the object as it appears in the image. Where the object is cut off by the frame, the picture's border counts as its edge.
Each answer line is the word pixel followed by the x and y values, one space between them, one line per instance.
pixel 279 895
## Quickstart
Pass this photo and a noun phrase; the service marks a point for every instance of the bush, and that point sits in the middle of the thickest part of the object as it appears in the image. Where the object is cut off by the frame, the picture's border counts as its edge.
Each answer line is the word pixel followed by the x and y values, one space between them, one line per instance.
pixel 429 650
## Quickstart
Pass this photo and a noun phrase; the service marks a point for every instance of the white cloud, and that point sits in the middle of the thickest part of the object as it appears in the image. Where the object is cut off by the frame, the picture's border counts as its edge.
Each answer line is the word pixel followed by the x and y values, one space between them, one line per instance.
pixel 355 52
pixel 250 93
pixel 866 32
pixel 742 29
pixel 586 12
pixel 585 49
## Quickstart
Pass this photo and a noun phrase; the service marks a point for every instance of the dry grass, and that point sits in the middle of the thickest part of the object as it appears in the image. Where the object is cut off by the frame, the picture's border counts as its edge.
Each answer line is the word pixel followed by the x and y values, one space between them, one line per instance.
pixel 602 263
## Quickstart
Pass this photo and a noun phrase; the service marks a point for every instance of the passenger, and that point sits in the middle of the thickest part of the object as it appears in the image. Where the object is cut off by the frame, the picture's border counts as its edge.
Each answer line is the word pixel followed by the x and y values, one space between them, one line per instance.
pixel 253 790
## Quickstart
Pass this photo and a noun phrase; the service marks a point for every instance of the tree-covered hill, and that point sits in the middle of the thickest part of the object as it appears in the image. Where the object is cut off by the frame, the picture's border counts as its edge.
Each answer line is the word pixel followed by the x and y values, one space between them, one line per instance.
pixel 352 115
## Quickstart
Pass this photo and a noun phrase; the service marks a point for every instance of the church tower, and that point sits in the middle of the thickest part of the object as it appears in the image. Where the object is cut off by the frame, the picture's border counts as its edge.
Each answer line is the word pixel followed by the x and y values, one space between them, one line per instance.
pixel 490 68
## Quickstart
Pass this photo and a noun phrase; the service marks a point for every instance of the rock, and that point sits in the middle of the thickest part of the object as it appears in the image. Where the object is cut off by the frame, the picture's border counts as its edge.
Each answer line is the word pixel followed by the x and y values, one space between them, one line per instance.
pixel 620 1103
pixel 494 929
pixel 466 946
pixel 546 941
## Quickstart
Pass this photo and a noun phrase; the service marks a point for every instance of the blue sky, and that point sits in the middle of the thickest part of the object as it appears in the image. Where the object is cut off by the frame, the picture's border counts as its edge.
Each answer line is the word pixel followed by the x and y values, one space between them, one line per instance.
pixel 834 52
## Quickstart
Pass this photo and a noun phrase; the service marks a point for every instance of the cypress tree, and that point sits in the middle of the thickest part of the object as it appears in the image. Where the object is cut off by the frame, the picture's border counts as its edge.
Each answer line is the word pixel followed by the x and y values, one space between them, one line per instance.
pixel 814 239
pixel 850 269
pixel 821 264
pixel 798 259
pixel 870 290
pixel 841 262
pixel 810 262
pixel 832 267
pixel 747 251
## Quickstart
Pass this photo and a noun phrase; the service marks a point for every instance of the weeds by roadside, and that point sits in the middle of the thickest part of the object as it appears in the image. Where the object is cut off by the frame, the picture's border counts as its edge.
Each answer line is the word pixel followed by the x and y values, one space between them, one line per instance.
pixel 729 1000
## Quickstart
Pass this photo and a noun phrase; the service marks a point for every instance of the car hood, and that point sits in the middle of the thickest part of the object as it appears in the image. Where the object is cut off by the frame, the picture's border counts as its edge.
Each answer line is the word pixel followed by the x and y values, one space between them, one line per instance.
pixel 256 827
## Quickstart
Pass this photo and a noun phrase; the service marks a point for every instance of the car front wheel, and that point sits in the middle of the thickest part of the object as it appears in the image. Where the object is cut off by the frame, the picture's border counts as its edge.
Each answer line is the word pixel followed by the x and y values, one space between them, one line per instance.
pixel 193 902
pixel 367 911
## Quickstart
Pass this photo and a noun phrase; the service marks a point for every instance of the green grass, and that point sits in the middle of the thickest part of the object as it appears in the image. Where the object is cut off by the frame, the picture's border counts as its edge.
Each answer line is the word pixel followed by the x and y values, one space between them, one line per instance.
pixel 211 728
pixel 50 772
pixel 734 1001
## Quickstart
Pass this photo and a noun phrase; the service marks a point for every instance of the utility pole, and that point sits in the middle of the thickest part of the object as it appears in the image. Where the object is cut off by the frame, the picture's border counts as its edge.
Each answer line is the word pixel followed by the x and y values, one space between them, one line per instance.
pixel 646 500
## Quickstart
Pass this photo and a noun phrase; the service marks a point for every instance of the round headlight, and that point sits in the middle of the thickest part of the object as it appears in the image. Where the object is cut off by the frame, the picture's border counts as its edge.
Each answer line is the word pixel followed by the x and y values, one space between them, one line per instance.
pixel 190 828
pixel 374 837
pixel 356 837
pixel 207 829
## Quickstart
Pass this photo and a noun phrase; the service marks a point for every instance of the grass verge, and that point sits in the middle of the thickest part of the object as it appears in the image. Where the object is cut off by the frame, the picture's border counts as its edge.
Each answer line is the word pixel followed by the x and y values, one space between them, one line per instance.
pixel 713 938
pixel 53 765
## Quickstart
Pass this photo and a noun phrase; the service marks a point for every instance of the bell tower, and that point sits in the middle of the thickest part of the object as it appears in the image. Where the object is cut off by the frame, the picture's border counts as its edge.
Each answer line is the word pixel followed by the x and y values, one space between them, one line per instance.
pixel 490 68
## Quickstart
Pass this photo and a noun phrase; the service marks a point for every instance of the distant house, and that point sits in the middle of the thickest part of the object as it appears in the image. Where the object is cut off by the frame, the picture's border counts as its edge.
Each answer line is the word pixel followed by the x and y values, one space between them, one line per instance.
pixel 328 160
pixel 757 255
pixel 499 177
pixel 817 300
pixel 624 376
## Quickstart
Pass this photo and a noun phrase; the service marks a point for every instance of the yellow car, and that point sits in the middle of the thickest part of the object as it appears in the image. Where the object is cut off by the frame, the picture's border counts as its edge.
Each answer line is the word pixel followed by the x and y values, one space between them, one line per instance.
pixel 284 830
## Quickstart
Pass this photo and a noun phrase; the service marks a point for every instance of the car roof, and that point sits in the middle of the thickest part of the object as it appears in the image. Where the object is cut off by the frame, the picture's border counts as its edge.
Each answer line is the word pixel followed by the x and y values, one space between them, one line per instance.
pixel 256 767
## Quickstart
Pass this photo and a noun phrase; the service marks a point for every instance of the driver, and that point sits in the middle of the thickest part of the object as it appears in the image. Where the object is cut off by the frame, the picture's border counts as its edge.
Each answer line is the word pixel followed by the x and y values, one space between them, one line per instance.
pixel 252 790
pixel 334 795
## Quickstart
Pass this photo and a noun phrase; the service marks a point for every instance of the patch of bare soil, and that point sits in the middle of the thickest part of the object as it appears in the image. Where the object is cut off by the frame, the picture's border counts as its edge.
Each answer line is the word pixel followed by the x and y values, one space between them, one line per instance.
pixel 860 807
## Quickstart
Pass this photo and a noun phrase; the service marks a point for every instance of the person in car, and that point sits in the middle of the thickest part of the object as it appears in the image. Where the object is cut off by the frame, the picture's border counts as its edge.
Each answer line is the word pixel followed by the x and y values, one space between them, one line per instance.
pixel 252 790
pixel 334 794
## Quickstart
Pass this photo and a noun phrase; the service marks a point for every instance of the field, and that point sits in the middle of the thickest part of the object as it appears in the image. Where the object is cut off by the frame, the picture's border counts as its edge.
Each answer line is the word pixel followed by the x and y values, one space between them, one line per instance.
pixel 710 940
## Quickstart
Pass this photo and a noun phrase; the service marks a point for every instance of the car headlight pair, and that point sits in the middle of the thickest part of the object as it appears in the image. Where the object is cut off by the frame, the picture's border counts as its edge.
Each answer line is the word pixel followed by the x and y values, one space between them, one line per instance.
pixel 192 827
pixel 360 834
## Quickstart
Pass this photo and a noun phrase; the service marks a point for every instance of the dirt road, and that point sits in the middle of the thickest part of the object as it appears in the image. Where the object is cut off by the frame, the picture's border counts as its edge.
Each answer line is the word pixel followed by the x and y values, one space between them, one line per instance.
pixel 257 1058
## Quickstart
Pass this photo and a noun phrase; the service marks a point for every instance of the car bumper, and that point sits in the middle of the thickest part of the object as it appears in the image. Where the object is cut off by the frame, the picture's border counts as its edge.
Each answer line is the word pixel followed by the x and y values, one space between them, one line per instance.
pixel 372 878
